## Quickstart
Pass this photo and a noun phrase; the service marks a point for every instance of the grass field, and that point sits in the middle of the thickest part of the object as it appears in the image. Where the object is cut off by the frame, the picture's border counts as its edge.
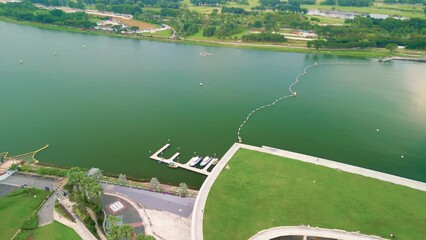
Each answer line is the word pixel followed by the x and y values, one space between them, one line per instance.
pixel 261 191
pixel 55 231
pixel 16 207
pixel 164 34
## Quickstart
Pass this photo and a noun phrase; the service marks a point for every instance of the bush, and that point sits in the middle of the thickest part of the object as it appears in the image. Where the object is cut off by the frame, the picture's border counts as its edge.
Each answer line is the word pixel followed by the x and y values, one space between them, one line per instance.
pixel 23 235
pixel 52 171
pixel 264 37
pixel 31 223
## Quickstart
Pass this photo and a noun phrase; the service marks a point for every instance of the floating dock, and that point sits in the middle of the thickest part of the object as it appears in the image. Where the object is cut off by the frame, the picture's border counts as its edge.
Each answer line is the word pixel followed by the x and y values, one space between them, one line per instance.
pixel 186 166
pixel 387 59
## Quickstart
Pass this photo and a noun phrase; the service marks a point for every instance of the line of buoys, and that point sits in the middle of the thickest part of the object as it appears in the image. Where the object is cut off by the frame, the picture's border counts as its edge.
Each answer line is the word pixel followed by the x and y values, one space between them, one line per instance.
pixel 290 88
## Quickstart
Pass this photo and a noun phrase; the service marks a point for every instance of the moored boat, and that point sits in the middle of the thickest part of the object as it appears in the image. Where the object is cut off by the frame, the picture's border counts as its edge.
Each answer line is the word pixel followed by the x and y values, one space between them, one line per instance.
pixel 205 161
pixel 195 161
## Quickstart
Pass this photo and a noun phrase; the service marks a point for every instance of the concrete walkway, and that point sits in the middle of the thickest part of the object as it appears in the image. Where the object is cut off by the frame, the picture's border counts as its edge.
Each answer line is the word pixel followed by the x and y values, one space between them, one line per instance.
pixel 94 218
pixel 200 202
pixel 311 232
pixel 78 227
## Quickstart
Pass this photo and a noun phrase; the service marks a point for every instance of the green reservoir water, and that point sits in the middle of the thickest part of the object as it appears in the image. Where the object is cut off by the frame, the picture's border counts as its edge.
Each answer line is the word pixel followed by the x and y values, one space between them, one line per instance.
pixel 109 104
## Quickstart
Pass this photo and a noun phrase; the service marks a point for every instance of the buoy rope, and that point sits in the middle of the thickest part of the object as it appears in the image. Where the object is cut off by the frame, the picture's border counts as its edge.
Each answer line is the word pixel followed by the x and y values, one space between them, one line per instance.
pixel 291 90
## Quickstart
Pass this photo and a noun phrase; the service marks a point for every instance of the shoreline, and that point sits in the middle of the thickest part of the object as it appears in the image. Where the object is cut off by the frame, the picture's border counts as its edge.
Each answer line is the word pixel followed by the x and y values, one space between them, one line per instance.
pixel 364 53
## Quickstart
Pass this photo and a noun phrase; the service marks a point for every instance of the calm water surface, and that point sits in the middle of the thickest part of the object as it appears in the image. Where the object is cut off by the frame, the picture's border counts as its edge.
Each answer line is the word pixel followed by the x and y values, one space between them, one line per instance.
pixel 111 103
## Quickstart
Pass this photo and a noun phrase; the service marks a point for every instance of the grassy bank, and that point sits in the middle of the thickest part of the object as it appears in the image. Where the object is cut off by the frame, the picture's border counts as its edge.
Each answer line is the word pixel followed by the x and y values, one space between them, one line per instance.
pixel 261 191
pixel 55 231
pixel 370 53
pixel 17 207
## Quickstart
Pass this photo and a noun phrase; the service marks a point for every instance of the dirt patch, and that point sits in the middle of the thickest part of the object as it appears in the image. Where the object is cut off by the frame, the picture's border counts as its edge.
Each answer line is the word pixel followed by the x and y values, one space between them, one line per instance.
pixel 135 23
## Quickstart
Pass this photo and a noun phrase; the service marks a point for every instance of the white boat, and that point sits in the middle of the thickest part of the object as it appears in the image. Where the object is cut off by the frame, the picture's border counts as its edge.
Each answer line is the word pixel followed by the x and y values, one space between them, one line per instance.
pixel 205 161
pixel 195 161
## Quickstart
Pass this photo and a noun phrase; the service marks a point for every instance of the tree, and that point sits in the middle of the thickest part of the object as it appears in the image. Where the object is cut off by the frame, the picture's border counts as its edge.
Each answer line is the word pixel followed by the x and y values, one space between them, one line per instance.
pixel 112 228
pixel 134 28
pixel 209 31
pixel 126 231
pixel 14 167
pixel 122 179
pixel 154 183
pixel 144 237
pixel 183 190
pixel 391 46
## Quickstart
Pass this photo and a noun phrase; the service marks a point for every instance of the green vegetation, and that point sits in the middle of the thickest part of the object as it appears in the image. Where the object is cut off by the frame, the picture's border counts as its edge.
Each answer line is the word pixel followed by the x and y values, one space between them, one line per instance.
pixel 25 11
pixel 122 232
pixel 86 192
pixel 231 24
pixel 55 231
pixel 18 209
pixel 404 10
pixel 369 32
pixel 264 37
pixel 261 191
pixel 46 171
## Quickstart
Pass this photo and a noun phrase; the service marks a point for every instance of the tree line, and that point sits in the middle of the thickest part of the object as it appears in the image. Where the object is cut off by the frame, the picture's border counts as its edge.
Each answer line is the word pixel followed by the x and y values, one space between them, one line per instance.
pixel 369 32
pixel 25 11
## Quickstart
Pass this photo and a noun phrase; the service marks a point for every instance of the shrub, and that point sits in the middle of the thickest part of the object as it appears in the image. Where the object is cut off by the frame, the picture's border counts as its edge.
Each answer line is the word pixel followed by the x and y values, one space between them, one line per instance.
pixel 31 223
pixel 23 235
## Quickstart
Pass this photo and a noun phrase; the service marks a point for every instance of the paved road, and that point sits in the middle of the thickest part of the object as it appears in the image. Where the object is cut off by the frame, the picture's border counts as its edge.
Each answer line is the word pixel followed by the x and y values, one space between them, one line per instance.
pixel 157 201
pixel 46 212
pixel 5 189
pixel 19 179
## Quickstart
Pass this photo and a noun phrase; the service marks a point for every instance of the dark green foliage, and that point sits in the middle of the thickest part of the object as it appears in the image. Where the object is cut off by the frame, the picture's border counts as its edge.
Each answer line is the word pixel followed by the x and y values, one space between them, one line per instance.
pixel 234 10
pixel 52 171
pixel 23 235
pixel 329 2
pixel 356 3
pixel 125 9
pixel 310 2
pixel 25 11
pixel 31 223
pixel 368 32
pixel 264 37
pixel 209 2
pixel 209 31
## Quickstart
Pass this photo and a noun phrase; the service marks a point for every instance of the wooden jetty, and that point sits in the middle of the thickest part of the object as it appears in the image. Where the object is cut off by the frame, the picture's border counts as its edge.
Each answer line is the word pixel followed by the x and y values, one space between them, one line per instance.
pixel 387 59
pixel 186 166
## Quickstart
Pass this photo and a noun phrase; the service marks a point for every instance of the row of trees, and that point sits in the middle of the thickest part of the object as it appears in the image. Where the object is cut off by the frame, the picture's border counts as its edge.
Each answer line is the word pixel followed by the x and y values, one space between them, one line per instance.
pixel 264 37
pixel 369 32
pixel 25 11
pixel 354 3
pixel 122 232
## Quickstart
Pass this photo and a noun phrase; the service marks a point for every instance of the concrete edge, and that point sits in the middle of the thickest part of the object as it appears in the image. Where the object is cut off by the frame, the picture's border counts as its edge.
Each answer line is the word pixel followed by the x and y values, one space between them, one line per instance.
pixel 200 202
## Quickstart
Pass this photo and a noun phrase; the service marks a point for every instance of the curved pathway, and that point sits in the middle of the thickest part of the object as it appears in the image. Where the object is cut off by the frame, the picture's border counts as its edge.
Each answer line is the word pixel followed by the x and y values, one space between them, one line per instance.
pixel 311 232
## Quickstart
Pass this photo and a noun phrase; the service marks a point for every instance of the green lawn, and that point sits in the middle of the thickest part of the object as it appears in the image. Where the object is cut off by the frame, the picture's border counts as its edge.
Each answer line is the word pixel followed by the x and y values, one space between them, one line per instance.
pixel 261 191
pixel 55 231
pixel 16 207
pixel 164 34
